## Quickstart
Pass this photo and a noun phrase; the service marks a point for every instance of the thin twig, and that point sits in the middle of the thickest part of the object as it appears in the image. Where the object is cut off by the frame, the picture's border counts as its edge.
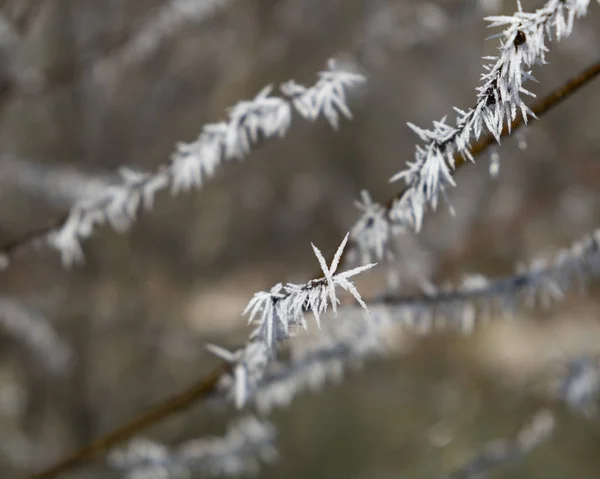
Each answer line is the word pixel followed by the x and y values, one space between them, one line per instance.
pixel 177 403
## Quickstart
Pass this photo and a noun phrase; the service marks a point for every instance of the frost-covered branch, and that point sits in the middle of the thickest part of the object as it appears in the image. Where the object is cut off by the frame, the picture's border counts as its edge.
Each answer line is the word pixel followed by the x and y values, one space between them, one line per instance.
pixel 579 386
pixel 59 186
pixel 277 313
pixel 265 116
pixel 159 26
pixel 247 443
pixel 372 236
pixel 503 451
pixel 499 100
pixel 348 341
pixel 543 281
pixel 445 147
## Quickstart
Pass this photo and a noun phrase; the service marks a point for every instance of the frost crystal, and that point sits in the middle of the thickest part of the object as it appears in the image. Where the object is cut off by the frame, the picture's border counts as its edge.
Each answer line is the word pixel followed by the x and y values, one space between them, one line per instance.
pixel 287 304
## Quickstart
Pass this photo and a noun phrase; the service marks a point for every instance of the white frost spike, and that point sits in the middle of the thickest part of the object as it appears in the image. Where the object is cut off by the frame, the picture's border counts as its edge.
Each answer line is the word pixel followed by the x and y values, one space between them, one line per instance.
pixel 222 353
pixel 286 304
pixel 328 272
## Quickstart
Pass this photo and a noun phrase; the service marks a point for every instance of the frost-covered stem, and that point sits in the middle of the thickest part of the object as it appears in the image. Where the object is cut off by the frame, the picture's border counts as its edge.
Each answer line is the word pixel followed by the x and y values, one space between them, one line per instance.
pixel 247 443
pixel 498 101
pixel 579 385
pixel 372 234
pixel 167 20
pixel 543 279
pixel 538 109
pixel 502 451
pixel 265 116
pixel 179 402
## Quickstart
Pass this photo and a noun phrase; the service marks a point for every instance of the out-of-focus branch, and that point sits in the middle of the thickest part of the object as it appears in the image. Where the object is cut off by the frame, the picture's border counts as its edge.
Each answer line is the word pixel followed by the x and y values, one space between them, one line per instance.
pixel 177 403
pixel 250 122
pixel 504 451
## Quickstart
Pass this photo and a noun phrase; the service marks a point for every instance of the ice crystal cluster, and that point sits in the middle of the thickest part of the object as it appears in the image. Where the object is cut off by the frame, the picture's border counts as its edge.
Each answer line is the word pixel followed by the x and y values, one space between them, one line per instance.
pixel 276 312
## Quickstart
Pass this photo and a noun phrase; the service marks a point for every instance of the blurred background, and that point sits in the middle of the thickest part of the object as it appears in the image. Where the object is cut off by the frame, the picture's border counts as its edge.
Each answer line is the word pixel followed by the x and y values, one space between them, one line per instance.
pixel 87 86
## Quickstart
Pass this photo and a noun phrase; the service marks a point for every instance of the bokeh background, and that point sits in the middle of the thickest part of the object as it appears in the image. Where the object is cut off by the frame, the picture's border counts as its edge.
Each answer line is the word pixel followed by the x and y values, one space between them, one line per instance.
pixel 78 100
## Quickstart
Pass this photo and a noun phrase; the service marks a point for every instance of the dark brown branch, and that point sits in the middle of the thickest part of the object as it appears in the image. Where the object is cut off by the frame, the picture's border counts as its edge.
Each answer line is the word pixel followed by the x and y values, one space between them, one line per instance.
pixel 539 108
pixel 207 386
pixel 172 405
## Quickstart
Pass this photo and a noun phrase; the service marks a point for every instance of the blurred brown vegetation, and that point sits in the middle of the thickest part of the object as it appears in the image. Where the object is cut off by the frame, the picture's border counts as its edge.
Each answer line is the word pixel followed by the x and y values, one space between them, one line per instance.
pixel 138 313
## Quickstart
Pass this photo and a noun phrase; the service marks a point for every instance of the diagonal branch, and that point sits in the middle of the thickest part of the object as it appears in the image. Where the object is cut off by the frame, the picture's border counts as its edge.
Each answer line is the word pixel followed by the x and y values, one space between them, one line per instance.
pixel 381 216
pixel 250 122
pixel 100 446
